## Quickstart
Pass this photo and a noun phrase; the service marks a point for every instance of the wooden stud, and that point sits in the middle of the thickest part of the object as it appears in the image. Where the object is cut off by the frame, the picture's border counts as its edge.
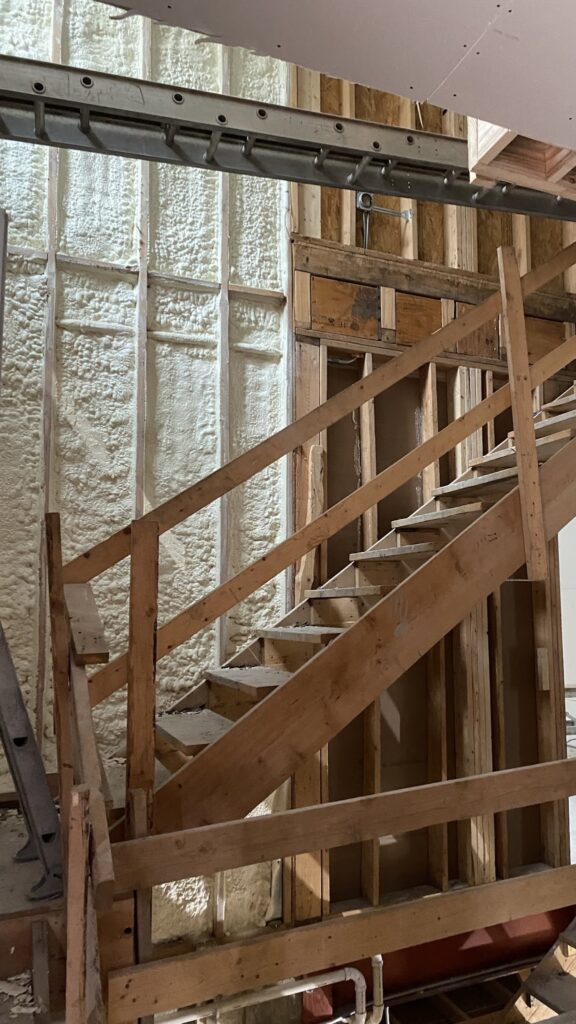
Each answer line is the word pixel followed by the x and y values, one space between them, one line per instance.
pixel 138 816
pixel 460 222
pixel 348 207
pixel 76 883
pixel 142 659
pixel 528 474
pixel 308 571
pixel 408 228
pixel 368 459
pixel 41 972
pixel 60 670
pixel 501 841
pixel 88 640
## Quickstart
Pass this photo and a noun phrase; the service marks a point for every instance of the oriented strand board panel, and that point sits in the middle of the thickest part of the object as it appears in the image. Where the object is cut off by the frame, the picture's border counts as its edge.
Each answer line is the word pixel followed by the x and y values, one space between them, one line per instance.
pixel 416 318
pixel 469 55
pixel 345 308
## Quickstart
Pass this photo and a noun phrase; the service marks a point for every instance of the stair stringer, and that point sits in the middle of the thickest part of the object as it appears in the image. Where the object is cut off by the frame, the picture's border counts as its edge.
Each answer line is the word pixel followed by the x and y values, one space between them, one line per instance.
pixel 266 746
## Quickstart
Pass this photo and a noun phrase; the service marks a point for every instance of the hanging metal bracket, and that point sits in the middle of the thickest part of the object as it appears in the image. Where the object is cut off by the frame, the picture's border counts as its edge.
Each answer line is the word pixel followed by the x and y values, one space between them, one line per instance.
pixel 365 203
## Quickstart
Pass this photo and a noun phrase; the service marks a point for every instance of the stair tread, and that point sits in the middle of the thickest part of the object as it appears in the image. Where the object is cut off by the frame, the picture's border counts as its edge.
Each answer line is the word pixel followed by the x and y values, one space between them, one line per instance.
pixel 506 458
pixel 436 520
pixel 257 680
pixel 401 553
pixel 557 990
pixel 330 593
pixel 301 634
pixel 555 423
pixel 501 480
pixel 191 731
pixel 561 404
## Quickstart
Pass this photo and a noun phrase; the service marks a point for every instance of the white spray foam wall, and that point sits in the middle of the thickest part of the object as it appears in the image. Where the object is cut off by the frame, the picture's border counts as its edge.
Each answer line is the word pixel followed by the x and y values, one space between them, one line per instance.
pixel 93 433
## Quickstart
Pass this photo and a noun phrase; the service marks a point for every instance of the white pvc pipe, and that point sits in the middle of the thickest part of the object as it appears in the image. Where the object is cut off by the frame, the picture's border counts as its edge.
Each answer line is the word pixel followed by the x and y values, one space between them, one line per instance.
pixel 293 987
pixel 378 1009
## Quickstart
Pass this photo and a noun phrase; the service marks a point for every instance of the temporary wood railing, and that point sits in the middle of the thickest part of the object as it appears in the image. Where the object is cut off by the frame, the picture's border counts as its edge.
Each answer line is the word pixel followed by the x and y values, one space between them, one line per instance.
pixel 203 612
pixel 140 864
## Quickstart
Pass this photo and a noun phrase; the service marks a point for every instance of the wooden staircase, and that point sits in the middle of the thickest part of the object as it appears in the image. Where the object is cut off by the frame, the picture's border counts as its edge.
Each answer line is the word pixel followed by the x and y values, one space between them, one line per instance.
pixel 226 694
pixel 251 724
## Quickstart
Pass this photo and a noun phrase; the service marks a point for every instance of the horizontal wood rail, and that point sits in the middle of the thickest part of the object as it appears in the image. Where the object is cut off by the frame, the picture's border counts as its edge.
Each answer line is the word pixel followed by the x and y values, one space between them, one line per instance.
pixel 230 777
pixel 142 863
pixel 200 614
pixel 112 550
pixel 232 967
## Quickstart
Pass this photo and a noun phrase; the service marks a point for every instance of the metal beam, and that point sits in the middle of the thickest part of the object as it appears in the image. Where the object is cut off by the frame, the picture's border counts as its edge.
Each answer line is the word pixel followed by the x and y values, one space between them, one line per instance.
pixel 86 110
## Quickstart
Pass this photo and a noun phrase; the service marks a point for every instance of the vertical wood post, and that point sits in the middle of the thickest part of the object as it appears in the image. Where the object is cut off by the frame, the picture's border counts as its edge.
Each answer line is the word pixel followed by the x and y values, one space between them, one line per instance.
pixel 60 672
pixel 141 708
pixel 522 417
pixel 76 888
pixel 142 660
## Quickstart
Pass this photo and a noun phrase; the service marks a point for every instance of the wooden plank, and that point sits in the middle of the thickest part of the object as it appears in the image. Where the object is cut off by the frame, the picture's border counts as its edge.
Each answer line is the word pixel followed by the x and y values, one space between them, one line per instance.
pixel 416 318
pixel 297 719
pixel 528 473
pixel 195 618
pixel 138 817
pixel 76 1010
pixel 116 547
pixel 437 756
pixel 347 309
pixel 91 775
pixel 460 222
pixel 60 640
pixel 409 207
pixel 197 977
pixel 142 658
pixel 308 571
pixel 302 299
pixel 501 842
pixel 40 972
pixel 368 458
pixel 429 405
pixel 329 259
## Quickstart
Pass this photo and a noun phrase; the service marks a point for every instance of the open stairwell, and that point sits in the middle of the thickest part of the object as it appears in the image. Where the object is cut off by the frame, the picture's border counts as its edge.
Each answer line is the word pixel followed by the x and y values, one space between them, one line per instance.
pixel 303 679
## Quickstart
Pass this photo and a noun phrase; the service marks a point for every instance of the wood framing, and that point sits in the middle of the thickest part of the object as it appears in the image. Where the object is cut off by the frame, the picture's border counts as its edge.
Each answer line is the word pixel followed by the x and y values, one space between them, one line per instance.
pixel 298 719
pixel 195 978
pixel 221 847
pixel 528 472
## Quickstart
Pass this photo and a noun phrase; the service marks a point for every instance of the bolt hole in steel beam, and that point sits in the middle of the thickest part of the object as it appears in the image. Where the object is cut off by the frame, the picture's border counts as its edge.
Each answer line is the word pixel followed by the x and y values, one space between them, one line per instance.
pixel 150 121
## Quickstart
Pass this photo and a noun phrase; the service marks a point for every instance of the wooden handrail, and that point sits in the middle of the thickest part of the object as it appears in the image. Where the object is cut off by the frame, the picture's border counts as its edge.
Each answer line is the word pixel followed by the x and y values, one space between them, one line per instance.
pixel 142 863
pixel 200 614
pixel 116 547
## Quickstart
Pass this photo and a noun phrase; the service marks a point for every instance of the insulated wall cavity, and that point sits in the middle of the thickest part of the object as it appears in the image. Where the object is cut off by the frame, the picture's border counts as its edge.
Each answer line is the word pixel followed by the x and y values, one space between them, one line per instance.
pixel 145 344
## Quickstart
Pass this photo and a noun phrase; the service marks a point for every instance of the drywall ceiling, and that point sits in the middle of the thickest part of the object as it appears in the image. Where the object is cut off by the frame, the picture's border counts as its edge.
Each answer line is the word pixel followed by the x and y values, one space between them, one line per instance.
pixel 511 62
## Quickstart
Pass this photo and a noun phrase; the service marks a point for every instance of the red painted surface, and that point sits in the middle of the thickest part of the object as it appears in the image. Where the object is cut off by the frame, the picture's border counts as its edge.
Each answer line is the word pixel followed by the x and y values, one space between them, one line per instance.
pixel 504 944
